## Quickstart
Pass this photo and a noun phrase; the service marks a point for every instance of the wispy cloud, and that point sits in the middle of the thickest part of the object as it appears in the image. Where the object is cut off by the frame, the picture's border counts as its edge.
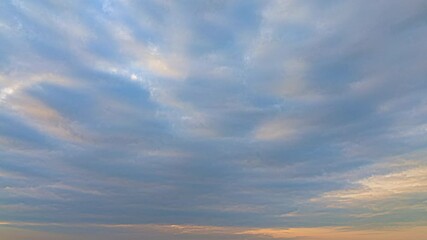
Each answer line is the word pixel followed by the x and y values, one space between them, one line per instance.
pixel 214 232
pixel 213 113
pixel 380 187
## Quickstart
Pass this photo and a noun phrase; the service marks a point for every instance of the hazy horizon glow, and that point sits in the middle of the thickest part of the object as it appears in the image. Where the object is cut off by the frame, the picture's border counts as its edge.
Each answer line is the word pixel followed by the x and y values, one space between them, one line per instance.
pixel 239 119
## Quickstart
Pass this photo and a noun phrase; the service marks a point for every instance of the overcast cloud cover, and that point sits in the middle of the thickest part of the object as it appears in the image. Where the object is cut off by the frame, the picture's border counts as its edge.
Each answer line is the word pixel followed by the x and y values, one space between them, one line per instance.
pixel 212 119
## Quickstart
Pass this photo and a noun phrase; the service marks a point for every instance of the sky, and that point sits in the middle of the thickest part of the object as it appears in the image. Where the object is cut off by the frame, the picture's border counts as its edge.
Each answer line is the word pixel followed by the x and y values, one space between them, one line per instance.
pixel 213 119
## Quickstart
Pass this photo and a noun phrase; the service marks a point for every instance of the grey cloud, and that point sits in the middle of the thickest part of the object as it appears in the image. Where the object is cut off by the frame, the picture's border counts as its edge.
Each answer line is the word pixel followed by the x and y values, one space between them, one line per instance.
pixel 187 114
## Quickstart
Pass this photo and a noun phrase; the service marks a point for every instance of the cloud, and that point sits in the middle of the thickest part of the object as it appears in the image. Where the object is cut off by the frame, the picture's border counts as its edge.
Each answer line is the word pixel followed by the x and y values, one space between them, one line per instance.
pixel 379 187
pixel 233 115
pixel 213 232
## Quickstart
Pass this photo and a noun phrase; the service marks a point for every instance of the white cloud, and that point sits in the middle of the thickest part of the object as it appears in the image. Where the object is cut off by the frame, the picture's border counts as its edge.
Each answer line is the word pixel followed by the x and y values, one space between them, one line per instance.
pixel 383 187
pixel 282 128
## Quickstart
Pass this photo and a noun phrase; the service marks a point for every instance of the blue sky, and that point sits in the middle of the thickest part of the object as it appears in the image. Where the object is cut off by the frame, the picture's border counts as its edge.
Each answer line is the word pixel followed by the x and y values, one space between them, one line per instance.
pixel 213 119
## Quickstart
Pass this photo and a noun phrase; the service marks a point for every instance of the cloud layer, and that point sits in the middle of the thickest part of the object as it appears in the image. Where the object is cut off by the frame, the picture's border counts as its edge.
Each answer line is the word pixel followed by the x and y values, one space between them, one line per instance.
pixel 252 114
